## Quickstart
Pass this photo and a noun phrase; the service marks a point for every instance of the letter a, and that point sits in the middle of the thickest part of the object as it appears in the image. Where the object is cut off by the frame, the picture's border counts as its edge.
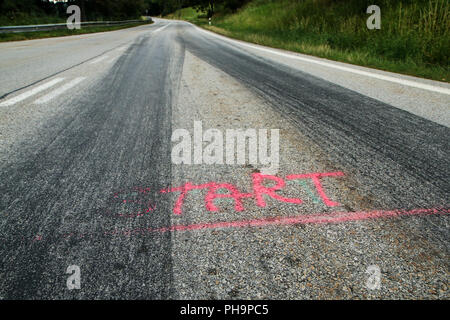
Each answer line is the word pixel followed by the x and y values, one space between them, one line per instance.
pixel 374 21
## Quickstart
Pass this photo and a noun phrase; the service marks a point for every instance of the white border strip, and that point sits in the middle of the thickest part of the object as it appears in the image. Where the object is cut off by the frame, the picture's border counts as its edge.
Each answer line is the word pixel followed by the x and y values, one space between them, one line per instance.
pixel 157 30
pixel 59 91
pixel 30 93
pixel 331 65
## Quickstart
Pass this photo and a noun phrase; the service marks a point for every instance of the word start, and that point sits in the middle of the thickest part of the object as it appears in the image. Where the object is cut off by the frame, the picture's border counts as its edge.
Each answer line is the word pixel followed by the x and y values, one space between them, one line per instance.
pixel 216 190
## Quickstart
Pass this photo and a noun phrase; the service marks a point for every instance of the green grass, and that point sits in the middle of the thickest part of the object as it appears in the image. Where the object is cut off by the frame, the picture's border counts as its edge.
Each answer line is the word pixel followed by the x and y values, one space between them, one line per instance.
pixel 63 32
pixel 186 14
pixel 414 38
pixel 22 19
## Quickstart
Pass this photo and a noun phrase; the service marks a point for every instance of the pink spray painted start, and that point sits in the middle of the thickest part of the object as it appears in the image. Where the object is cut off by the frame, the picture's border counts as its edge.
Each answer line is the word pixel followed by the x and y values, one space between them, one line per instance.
pixel 259 190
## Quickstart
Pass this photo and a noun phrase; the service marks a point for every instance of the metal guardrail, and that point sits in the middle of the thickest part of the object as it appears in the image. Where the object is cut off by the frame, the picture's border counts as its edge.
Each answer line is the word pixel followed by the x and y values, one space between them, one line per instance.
pixel 47 27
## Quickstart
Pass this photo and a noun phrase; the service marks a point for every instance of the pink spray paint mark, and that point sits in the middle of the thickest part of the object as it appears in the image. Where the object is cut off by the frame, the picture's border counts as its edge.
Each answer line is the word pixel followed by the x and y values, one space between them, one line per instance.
pixel 259 189
pixel 318 218
pixel 148 210
pixel 123 195
pixel 315 177
pixel 177 209
pixel 210 196
pixel 234 194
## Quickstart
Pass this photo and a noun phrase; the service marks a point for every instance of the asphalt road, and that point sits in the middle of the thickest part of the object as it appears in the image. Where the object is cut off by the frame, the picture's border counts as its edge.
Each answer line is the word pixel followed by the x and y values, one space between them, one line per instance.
pixel 86 172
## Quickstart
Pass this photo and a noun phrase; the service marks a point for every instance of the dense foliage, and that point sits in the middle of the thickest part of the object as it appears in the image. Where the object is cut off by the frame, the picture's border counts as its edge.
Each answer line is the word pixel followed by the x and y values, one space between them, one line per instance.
pixel 41 11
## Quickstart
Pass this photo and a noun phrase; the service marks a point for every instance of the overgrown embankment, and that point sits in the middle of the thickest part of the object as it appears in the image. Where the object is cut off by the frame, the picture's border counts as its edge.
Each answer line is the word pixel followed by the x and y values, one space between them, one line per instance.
pixel 414 37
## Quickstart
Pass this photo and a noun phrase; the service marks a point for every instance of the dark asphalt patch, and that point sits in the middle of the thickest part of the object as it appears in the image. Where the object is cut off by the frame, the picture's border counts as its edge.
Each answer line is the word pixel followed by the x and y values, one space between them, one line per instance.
pixel 116 136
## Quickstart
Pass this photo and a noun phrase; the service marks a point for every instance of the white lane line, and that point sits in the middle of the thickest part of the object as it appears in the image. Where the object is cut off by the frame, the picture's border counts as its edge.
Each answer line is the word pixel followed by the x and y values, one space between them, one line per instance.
pixel 59 91
pixel 99 59
pixel 157 30
pixel 347 69
pixel 30 93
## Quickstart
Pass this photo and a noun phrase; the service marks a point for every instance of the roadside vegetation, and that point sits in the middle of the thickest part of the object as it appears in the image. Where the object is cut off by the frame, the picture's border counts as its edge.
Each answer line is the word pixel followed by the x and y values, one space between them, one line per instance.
pixel 27 19
pixel 64 32
pixel 414 37
pixel 26 12
pixel 32 12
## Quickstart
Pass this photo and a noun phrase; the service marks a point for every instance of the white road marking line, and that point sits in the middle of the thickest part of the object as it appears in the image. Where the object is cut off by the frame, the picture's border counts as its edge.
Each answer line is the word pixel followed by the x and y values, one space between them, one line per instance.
pixel 99 59
pixel 347 69
pixel 157 30
pixel 30 93
pixel 59 91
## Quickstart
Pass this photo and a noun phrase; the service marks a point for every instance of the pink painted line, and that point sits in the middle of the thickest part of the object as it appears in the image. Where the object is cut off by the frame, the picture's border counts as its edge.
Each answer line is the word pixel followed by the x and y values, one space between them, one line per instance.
pixel 318 218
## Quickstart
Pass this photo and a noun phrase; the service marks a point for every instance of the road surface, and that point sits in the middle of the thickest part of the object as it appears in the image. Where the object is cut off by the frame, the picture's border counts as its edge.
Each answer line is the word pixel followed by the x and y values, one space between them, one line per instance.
pixel 87 176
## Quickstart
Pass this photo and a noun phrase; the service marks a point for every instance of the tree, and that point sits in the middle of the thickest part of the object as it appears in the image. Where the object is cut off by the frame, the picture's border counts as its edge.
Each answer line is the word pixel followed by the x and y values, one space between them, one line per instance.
pixel 209 6
pixel 206 6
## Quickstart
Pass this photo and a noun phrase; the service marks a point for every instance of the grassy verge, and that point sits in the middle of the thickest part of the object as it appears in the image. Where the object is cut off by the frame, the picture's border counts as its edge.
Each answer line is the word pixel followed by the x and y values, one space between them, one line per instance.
pixel 26 19
pixel 414 38
pixel 63 32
